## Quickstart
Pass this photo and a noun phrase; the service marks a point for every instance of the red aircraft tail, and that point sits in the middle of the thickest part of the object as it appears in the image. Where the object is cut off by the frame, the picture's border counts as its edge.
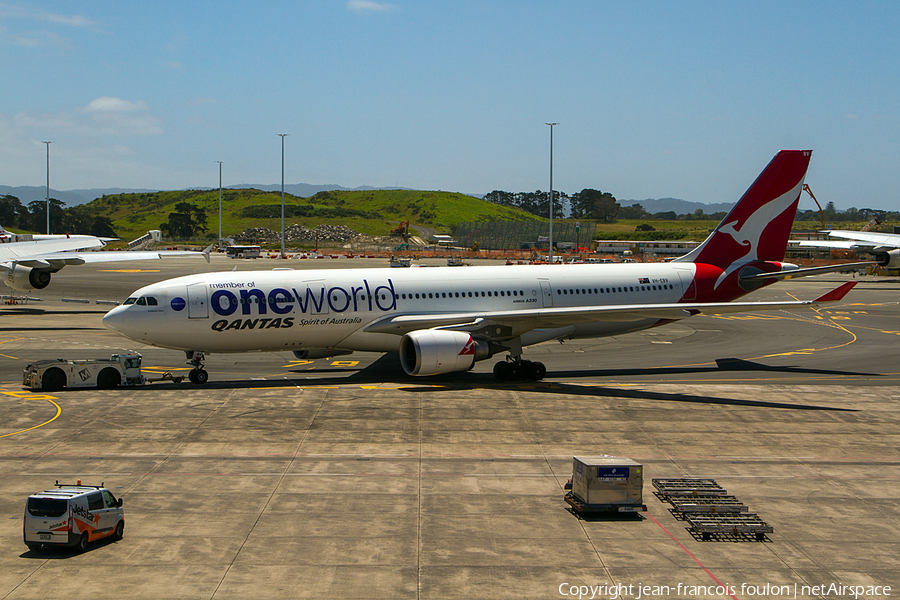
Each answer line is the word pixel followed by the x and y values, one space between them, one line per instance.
pixel 758 226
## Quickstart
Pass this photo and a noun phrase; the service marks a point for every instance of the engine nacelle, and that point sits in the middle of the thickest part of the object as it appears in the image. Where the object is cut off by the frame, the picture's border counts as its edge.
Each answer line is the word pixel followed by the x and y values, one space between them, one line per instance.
pixel 26 279
pixel 312 353
pixel 436 351
pixel 887 258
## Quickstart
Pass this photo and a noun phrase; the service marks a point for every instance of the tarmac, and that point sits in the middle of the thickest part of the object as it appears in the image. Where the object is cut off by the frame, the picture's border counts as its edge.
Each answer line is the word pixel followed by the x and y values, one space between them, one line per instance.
pixel 345 478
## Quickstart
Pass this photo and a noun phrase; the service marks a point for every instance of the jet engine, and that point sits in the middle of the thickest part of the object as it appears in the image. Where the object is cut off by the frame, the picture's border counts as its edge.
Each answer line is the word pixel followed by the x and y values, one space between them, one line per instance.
pixel 887 258
pixel 26 279
pixel 436 351
pixel 311 353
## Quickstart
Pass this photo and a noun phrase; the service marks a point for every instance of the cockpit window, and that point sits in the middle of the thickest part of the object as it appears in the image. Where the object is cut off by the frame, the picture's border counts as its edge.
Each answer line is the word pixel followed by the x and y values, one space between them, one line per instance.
pixel 131 301
pixel 142 301
pixel 151 301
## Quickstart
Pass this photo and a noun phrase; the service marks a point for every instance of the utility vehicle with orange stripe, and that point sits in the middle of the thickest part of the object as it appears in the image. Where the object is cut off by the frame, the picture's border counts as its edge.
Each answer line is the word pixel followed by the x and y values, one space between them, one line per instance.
pixel 73 516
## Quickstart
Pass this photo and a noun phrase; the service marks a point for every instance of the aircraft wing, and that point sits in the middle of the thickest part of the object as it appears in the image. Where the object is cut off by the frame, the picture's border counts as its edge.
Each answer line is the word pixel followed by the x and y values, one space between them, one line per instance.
pixel 868 238
pixel 865 241
pixel 19 251
pixel 52 255
pixel 540 318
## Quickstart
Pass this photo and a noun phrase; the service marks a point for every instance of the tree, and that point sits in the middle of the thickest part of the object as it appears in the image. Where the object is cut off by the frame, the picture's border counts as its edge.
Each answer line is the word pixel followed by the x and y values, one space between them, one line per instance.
pixel 186 222
pixel 594 204
pixel 35 217
pixel 502 198
pixel 635 211
pixel 11 210
pixel 78 219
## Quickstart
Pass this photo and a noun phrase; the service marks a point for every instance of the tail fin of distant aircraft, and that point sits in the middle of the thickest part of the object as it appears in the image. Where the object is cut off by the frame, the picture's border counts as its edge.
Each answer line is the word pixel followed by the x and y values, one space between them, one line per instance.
pixel 759 225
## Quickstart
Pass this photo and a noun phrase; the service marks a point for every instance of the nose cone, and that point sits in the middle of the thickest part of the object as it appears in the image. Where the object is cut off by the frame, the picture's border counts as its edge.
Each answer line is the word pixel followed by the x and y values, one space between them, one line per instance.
pixel 114 320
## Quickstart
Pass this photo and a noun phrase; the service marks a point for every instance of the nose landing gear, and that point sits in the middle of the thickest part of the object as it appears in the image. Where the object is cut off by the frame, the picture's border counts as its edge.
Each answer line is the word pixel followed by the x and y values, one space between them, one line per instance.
pixel 197 375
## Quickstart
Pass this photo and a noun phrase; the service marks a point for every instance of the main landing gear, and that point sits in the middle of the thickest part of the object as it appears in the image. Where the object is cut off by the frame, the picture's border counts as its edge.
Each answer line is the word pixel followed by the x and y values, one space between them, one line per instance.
pixel 197 375
pixel 518 369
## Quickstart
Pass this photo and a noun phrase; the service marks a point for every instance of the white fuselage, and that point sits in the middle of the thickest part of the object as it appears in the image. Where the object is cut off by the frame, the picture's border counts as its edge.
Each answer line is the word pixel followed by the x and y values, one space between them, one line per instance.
pixel 298 309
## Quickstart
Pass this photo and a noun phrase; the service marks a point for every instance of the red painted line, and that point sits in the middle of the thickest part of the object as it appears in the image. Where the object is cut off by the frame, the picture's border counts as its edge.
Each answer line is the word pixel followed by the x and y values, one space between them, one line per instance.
pixel 688 552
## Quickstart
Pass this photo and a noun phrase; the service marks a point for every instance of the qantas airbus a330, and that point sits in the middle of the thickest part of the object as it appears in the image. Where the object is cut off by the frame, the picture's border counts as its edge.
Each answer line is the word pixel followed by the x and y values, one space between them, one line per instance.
pixel 443 320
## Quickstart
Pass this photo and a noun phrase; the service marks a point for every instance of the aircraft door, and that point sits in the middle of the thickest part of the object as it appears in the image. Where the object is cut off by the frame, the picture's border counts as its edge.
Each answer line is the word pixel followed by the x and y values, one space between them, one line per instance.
pixel 546 293
pixel 198 303
pixel 688 285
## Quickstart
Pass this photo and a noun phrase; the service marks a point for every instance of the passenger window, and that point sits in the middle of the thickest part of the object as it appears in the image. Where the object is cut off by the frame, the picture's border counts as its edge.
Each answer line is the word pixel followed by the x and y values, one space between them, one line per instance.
pixel 110 499
pixel 95 501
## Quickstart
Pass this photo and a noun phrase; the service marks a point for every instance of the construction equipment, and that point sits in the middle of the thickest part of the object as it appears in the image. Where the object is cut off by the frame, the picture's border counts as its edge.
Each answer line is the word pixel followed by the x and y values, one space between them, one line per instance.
pixel 402 230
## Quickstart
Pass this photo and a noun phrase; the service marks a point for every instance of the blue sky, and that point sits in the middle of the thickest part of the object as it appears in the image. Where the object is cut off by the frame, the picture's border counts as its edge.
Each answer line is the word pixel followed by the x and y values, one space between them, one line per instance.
pixel 689 100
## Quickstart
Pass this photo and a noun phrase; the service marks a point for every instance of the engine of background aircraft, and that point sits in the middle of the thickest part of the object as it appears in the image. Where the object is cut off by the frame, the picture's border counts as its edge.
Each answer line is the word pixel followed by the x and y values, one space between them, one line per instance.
pixel 26 279
pixel 888 258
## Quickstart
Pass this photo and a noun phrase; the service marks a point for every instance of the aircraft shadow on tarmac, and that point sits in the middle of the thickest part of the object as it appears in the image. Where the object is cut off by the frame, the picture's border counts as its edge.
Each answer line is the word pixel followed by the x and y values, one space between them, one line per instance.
pixel 722 364
pixel 387 369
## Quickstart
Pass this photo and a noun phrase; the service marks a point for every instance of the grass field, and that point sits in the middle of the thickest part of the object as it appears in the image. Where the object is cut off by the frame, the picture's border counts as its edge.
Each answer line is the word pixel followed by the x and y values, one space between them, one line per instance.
pixel 373 212
pixel 133 214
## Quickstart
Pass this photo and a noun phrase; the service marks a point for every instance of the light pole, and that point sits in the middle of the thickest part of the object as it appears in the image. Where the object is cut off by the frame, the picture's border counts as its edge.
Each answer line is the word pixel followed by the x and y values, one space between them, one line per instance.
pixel 283 135
pixel 48 186
pixel 551 190
pixel 220 202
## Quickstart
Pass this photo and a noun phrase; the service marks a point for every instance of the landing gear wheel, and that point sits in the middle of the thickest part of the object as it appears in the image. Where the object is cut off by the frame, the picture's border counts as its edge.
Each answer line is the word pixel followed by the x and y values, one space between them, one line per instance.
pixel 519 370
pixel 535 371
pixel 198 376
pixel 501 371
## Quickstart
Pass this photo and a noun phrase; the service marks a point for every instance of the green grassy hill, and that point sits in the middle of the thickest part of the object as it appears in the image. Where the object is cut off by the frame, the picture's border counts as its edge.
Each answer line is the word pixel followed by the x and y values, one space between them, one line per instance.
pixel 373 212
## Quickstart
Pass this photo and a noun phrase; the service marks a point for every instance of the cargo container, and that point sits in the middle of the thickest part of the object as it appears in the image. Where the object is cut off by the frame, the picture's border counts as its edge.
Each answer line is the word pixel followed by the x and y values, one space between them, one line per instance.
pixel 606 483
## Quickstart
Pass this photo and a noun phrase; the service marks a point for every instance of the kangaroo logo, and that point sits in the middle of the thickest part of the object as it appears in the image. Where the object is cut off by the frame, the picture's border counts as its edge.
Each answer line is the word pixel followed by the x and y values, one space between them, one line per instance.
pixel 751 232
pixel 469 348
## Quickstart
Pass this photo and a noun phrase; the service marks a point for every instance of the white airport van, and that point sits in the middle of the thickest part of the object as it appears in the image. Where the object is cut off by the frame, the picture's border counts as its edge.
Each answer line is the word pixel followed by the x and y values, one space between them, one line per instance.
pixel 72 515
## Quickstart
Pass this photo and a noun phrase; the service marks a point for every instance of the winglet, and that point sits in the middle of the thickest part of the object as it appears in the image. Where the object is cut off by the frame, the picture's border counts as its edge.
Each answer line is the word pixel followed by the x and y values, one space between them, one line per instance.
pixel 207 251
pixel 837 293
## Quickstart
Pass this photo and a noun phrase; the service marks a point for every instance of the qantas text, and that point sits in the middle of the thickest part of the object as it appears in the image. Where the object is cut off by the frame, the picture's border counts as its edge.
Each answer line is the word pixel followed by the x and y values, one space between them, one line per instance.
pixel 314 299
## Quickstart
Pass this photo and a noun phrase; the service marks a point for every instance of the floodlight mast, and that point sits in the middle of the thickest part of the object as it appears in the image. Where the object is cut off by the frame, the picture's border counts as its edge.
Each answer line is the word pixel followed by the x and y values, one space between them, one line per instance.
pixel 551 191
pixel 48 186
pixel 283 135
pixel 220 202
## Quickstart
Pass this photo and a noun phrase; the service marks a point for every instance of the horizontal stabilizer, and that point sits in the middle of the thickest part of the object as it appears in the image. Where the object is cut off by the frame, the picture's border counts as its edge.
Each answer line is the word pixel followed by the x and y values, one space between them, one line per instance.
pixel 794 273
pixel 836 294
